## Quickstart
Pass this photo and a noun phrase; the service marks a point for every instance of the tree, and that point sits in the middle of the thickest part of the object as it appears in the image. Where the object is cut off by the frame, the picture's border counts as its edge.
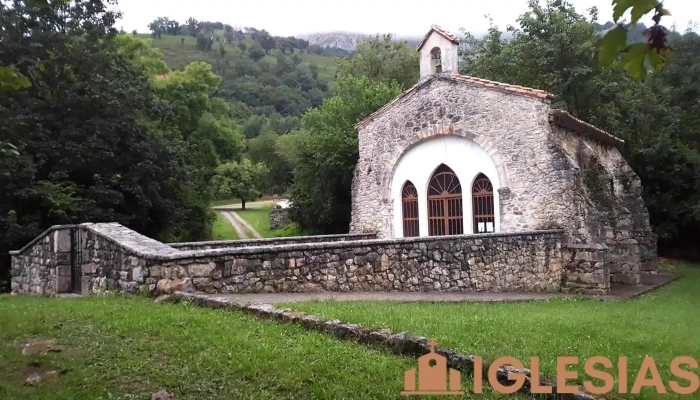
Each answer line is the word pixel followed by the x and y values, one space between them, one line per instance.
pixel 554 48
pixel 266 41
pixel 192 26
pixel 202 120
pixel 256 53
pixel 242 180
pixel 228 33
pixel 141 53
pixel 95 150
pixel 242 47
pixel 263 149
pixel 323 153
pixel 204 43
pixel 383 59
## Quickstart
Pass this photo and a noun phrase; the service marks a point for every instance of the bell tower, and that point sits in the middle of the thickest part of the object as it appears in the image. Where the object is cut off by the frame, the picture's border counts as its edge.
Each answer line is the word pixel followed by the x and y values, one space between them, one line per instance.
pixel 438 53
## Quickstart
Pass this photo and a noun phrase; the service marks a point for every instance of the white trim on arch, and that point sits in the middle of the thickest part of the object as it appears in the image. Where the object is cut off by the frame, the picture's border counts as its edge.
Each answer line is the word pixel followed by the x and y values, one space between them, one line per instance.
pixel 466 158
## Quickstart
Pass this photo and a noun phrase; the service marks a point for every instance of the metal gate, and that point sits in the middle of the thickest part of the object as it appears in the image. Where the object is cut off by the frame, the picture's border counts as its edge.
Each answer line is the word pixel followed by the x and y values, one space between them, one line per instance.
pixel 76 260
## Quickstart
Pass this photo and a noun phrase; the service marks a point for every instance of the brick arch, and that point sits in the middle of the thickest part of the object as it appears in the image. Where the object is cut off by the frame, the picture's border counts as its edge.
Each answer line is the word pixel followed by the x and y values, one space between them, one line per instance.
pixel 439 130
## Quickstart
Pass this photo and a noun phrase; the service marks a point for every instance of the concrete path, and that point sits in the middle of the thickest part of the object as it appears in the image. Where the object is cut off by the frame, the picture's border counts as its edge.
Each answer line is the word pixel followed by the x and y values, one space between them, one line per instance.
pixel 246 225
pixel 616 293
pixel 231 217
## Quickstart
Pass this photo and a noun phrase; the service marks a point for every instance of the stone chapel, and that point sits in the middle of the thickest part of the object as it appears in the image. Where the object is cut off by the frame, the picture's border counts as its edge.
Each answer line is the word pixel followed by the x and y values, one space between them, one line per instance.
pixel 458 155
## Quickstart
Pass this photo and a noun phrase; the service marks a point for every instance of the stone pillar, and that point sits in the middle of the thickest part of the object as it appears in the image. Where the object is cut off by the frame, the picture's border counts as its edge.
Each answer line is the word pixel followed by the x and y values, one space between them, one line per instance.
pixel 586 268
pixel 61 255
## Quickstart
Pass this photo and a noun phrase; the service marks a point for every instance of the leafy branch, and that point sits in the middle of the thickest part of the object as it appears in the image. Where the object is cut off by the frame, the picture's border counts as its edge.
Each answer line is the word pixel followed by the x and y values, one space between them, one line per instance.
pixel 637 56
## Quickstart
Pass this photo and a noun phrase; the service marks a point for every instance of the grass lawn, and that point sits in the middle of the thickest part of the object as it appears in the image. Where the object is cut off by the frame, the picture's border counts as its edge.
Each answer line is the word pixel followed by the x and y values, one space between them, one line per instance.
pixel 222 229
pixel 663 324
pixel 128 348
pixel 258 218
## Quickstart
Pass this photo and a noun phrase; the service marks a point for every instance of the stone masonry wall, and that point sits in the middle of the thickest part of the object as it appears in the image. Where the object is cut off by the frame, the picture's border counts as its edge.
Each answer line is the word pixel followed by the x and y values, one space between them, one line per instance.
pixel 509 127
pixel 508 262
pixel 607 213
pixel 115 258
pixel 231 244
pixel 279 217
pixel 43 265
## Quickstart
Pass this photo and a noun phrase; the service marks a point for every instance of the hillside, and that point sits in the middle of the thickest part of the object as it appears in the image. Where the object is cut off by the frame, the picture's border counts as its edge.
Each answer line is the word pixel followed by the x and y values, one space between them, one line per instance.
pixel 268 91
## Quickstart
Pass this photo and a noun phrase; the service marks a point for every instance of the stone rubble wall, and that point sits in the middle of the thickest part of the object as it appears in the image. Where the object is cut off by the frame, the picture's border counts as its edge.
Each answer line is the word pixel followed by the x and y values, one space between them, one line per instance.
pixel 234 244
pixel 607 210
pixel 116 258
pixel 508 262
pixel 37 267
pixel 509 127
pixel 279 217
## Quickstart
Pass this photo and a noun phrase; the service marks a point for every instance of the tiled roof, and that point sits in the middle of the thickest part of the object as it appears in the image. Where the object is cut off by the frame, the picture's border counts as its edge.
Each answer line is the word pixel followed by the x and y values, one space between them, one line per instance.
pixel 568 121
pixel 447 35
pixel 503 87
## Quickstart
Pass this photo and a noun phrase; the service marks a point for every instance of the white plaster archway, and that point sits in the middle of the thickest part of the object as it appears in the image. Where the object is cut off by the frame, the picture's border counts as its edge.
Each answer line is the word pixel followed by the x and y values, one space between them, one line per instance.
pixel 466 158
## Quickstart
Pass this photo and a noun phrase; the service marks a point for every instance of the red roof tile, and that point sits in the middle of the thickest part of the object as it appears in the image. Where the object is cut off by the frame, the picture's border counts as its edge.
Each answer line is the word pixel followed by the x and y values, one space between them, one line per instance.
pixel 504 87
pixel 447 35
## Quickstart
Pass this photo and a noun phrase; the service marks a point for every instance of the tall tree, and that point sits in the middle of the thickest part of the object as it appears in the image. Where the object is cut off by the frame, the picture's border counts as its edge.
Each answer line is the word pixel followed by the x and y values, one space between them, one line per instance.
pixel 324 152
pixel 384 60
pixel 242 180
pixel 554 48
pixel 92 152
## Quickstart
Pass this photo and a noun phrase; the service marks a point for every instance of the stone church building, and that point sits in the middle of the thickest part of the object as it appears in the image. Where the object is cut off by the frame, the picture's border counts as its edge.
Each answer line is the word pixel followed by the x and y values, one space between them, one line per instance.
pixel 462 185
pixel 462 155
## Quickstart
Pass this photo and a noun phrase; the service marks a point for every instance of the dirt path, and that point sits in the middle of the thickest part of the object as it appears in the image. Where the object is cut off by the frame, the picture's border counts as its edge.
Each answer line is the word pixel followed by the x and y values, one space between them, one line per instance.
pixel 248 226
pixel 231 217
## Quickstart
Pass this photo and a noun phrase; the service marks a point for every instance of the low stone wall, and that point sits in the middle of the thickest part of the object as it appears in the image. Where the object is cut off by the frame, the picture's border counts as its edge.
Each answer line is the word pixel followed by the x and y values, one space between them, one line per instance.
pixel 495 262
pixel 232 244
pixel 279 217
pixel 35 268
pixel 112 257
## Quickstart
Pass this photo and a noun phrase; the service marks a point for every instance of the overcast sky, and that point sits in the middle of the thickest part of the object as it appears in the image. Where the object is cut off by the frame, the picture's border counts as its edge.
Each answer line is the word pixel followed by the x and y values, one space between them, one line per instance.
pixel 401 17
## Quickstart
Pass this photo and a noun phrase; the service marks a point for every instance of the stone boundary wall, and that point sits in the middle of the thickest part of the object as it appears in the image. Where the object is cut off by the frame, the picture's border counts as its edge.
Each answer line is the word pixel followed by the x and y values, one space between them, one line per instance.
pixel 113 257
pixel 231 244
pixel 279 217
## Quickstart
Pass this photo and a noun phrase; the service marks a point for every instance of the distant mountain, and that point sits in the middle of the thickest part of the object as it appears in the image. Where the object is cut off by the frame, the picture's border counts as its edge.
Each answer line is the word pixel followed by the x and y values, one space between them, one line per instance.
pixel 348 40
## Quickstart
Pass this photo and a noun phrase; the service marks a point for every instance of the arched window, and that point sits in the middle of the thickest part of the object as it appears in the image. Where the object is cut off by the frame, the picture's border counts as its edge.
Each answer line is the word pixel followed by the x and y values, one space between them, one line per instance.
pixel 482 205
pixel 436 60
pixel 409 201
pixel 444 203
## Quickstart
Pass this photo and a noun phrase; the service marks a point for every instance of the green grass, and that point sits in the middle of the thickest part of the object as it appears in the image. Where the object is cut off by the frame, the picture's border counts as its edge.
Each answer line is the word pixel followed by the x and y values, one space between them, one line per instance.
pixel 128 348
pixel 663 324
pixel 259 219
pixel 222 229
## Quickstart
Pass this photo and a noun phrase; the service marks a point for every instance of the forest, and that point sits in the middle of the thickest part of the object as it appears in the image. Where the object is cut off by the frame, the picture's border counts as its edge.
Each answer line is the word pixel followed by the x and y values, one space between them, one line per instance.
pixel 149 129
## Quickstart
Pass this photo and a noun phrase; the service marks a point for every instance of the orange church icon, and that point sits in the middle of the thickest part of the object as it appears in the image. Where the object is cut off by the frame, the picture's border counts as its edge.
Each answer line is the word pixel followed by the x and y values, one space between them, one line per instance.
pixel 432 376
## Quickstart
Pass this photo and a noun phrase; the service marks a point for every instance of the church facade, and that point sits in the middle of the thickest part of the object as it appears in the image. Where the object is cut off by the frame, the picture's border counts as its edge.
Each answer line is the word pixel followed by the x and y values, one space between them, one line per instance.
pixel 460 155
